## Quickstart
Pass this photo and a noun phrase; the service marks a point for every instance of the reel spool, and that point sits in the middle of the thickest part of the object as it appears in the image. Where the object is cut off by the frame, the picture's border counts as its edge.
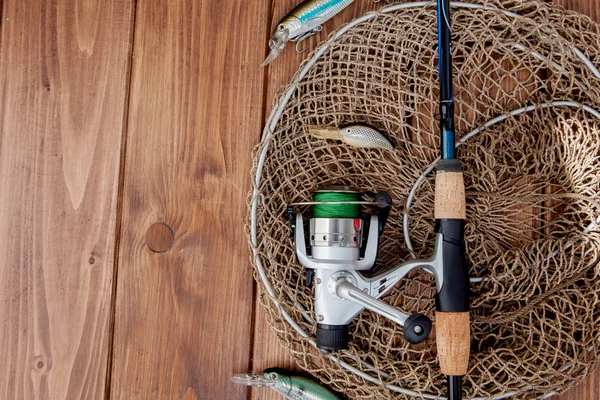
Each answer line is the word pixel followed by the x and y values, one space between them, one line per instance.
pixel 344 242
pixel 336 228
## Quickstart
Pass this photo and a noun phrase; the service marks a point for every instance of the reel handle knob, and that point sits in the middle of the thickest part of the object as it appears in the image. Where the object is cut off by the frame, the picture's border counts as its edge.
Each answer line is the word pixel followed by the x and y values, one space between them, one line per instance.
pixel 417 328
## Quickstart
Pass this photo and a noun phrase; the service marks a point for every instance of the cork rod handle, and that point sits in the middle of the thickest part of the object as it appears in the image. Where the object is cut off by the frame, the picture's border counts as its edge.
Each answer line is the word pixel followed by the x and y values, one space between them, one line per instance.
pixel 449 195
pixel 453 339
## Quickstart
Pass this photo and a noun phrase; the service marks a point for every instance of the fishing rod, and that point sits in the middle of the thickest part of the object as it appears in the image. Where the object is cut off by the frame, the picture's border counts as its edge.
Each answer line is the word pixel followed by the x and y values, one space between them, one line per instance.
pixel 452 301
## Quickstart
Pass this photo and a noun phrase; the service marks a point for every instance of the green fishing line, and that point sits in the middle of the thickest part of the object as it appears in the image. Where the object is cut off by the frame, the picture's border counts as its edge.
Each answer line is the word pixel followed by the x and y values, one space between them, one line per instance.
pixel 336 210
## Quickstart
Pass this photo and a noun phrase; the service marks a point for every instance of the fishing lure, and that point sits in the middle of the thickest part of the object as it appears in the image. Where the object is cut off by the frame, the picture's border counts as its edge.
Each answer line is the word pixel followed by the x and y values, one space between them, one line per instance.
pixel 305 20
pixel 356 135
pixel 291 386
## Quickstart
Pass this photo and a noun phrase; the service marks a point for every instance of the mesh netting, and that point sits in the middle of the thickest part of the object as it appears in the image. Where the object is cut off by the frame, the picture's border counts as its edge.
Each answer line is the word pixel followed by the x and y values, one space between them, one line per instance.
pixel 532 186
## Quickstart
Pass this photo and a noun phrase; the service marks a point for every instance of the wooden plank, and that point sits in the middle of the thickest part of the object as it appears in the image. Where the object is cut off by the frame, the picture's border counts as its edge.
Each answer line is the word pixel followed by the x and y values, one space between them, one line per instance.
pixel 267 352
pixel 183 322
pixel 591 8
pixel 589 389
pixel 64 71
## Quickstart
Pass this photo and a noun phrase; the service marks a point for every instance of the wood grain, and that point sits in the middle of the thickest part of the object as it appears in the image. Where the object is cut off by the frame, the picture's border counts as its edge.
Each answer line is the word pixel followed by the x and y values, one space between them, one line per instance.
pixel 268 352
pixel 589 389
pixel 64 69
pixel 183 322
pixel 591 8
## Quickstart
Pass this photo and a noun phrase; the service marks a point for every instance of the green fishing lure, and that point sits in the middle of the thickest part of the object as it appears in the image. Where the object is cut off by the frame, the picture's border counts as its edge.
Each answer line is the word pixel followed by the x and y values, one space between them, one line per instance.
pixel 289 384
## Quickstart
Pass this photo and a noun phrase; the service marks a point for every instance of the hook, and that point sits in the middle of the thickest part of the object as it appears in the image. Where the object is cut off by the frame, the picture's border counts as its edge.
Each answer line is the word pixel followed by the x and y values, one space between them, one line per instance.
pixel 305 36
pixel 297 49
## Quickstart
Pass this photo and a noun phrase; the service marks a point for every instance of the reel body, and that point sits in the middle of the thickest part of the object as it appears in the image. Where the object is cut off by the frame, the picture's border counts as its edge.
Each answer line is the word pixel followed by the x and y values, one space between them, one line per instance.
pixel 342 244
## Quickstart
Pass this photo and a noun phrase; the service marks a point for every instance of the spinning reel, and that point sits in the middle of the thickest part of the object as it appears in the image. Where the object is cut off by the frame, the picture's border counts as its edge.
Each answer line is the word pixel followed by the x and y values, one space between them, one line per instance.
pixel 343 242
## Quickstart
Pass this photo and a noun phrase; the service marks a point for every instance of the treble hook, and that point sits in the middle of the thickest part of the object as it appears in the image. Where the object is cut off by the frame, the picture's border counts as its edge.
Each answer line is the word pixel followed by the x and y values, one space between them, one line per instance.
pixel 305 36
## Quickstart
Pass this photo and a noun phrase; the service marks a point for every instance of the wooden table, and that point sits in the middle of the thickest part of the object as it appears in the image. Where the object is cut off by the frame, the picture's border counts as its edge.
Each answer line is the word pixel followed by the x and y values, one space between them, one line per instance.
pixel 127 128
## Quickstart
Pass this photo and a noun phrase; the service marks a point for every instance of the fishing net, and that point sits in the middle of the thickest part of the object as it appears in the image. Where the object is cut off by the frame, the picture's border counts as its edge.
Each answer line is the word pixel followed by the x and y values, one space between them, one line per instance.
pixel 532 184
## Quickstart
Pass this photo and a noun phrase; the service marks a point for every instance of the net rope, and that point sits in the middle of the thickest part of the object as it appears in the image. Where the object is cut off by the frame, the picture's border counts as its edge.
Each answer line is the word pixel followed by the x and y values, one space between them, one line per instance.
pixel 532 184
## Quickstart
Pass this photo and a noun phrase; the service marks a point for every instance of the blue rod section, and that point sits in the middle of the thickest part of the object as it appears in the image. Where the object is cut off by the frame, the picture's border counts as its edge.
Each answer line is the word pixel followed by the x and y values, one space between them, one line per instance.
pixel 446 88
pixel 448 145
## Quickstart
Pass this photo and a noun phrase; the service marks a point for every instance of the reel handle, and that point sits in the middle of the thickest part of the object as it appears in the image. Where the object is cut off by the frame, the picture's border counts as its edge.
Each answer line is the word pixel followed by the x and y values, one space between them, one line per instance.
pixel 416 327
pixel 452 300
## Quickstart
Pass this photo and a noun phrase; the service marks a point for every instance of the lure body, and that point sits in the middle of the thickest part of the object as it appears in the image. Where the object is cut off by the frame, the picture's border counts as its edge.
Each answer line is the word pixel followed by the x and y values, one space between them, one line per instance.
pixel 291 386
pixel 303 21
pixel 313 13
pixel 356 135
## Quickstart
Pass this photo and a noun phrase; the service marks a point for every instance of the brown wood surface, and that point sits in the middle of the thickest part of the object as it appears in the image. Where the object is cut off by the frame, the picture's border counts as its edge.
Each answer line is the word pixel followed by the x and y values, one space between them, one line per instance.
pixel 63 78
pixel 183 322
pixel 127 128
pixel 268 353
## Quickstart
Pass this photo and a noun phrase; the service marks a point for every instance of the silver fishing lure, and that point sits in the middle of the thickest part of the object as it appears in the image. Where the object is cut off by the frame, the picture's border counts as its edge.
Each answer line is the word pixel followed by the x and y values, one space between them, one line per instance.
pixel 290 385
pixel 303 21
pixel 356 135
